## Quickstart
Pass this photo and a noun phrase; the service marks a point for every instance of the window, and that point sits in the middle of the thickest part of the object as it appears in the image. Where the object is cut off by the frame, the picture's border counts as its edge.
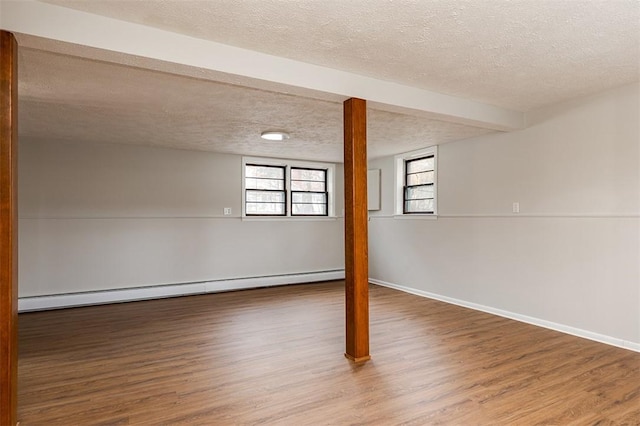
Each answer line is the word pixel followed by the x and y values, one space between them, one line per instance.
pixel 265 191
pixel 416 182
pixel 419 185
pixel 287 188
pixel 309 195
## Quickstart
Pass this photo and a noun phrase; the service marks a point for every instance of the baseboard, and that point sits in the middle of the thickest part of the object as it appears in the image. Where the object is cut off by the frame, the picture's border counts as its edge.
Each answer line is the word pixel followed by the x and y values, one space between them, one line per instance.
pixel 57 301
pixel 613 341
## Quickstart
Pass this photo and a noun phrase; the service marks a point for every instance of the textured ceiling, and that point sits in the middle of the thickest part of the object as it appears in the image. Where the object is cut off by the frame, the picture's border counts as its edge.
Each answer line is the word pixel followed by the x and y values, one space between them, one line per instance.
pixel 518 54
pixel 69 98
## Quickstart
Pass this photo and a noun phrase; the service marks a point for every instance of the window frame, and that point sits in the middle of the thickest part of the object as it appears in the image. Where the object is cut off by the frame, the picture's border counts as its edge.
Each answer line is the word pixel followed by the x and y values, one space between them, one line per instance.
pixel 325 192
pixel 288 164
pixel 283 190
pixel 401 176
pixel 406 185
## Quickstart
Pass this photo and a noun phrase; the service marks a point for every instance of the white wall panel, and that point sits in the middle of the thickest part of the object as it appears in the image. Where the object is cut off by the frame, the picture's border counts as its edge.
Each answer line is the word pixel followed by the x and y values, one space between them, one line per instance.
pixel 572 254
pixel 103 217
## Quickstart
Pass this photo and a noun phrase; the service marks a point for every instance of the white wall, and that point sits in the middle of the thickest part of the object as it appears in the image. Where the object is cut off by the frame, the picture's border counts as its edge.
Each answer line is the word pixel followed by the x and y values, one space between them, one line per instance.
pixel 571 257
pixel 104 217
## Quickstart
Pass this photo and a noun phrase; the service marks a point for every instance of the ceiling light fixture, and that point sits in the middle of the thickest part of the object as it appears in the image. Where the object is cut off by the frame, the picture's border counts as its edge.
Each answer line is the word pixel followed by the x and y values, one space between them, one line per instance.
pixel 273 135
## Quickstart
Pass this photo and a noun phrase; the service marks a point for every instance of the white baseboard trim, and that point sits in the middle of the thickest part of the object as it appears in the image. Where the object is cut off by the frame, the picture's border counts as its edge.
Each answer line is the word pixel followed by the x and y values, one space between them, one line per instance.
pixel 613 341
pixel 57 301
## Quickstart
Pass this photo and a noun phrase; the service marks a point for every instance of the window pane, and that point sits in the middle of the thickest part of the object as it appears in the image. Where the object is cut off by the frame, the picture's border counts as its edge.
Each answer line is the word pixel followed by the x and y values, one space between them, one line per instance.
pixel 420 178
pixel 420 165
pixel 418 206
pixel 273 184
pixel 265 208
pixel 309 209
pixel 265 196
pixel 302 185
pixel 264 177
pixel 269 172
pixel 418 192
pixel 309 197
pixel 307 174
pixel 313 180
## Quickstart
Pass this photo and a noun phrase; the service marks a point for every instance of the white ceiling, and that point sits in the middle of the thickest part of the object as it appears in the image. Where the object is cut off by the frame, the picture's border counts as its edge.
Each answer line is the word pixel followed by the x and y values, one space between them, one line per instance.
pixel 520 54
pixel 68 98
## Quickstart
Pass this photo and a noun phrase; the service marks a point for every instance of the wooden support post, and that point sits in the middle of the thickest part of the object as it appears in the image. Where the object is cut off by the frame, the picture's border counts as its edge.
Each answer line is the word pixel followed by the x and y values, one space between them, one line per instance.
pixel 355 225
pixel 8 229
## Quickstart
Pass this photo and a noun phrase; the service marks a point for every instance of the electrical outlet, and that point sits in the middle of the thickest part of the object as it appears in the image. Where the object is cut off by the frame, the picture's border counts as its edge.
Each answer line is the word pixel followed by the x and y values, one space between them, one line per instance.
pixel 516 207
pixel 227 211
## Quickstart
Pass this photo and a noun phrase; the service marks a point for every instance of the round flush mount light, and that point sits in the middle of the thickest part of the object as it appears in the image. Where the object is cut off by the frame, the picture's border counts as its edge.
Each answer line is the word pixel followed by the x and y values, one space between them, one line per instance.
pixel 273 135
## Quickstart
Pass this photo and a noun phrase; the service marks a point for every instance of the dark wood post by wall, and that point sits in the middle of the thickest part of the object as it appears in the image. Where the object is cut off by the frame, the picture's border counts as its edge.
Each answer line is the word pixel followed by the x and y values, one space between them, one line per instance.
pixel 8 229
pixel 356 227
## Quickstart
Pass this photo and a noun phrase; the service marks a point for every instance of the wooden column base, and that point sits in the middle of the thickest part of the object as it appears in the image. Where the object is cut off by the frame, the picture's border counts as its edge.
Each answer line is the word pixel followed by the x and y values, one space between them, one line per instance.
pixel 358 360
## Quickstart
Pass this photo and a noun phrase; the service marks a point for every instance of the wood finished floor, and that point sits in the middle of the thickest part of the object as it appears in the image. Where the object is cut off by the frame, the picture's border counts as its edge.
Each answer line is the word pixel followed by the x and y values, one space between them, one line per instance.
pixel 274 356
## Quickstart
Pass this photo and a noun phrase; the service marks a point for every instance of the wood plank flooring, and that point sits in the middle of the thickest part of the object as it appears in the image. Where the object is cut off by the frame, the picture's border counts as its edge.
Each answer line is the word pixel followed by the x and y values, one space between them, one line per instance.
pixel 274 356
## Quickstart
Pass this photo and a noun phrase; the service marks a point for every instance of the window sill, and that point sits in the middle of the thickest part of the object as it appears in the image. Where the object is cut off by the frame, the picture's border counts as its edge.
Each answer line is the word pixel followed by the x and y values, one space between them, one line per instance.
pixel 288 219
pixel 416 216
